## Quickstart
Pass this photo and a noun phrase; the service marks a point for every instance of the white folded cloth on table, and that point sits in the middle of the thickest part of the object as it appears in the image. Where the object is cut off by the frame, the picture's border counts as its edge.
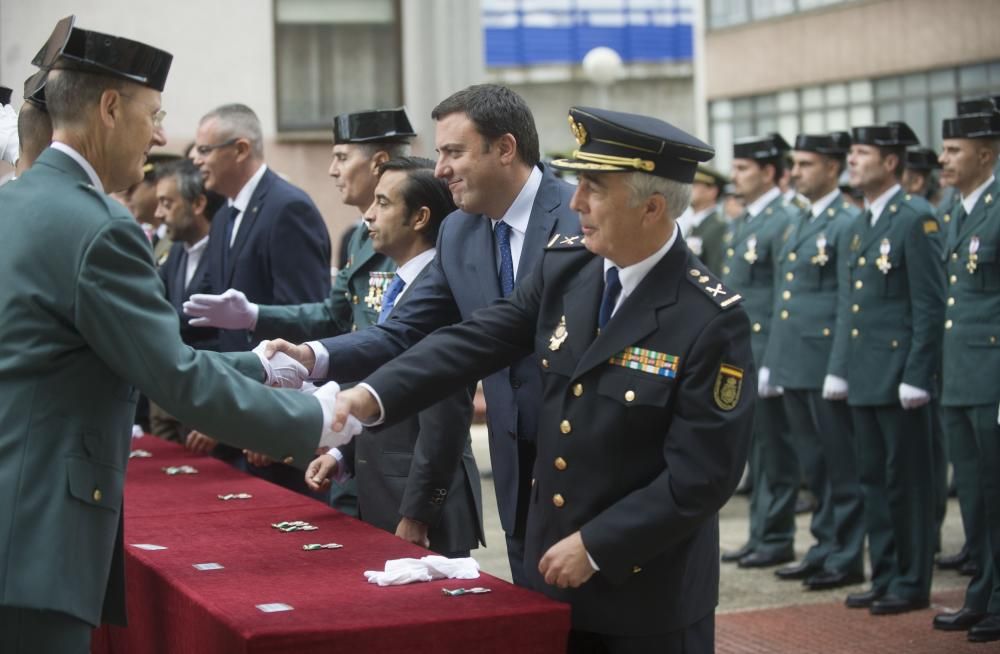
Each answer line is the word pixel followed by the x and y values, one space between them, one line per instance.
pixel 407 571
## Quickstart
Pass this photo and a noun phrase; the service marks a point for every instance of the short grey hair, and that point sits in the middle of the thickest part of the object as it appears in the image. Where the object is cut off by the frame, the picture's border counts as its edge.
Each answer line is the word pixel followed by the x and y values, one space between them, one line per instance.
pixel 190 184
pixel 395 149
pixel 238 121
pixel 642 185
pixel 69 91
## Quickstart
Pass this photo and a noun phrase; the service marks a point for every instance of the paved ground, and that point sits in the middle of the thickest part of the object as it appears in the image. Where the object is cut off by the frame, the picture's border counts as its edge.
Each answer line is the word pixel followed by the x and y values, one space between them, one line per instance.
pixel 760 614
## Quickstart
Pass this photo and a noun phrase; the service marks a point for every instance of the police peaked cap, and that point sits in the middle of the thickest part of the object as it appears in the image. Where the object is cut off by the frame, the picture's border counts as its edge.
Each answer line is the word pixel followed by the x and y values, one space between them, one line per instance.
pixel 34 89
pixel 835 144
pixel 760 148
pixel 972 126
pixel 892 134
pixel 614 141
pixel 921 159
pixel 984 105
pixel 377 126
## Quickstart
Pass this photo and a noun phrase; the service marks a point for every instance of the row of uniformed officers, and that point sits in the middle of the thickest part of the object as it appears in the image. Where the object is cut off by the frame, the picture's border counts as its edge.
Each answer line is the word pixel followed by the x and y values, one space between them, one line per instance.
pixel 872 330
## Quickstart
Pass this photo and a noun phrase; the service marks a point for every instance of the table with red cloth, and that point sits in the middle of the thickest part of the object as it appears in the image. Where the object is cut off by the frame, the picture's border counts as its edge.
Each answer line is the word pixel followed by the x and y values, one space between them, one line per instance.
pixel 175 607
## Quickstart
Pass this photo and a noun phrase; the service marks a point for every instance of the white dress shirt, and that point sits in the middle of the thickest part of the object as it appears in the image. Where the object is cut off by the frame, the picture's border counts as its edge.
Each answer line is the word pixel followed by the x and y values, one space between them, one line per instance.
pixel 631 276
pixel 517 216
pixel 242 200
pixel 194 254
pixel 820 205
pixel 757 206
pixel 78 158
pixel 969 201
pixel 877 206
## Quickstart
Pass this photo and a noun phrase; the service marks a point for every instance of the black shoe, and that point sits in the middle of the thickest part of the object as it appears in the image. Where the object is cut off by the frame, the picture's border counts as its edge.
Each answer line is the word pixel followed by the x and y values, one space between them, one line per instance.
pixel 953 561
pixel 828 579
pixel 801 570
pixel 960 620
pixel 969 569
pixel 863 600
pixel 987 630
pixel 735 555
pixel 892 605
pixel 765 559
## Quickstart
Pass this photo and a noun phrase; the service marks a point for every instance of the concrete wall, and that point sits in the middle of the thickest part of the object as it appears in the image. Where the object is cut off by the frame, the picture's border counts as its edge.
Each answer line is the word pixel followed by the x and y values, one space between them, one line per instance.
pixel 852 40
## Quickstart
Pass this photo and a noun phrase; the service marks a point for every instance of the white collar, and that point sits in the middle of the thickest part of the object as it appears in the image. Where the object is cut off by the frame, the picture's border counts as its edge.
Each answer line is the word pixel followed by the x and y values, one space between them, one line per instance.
pixel 631 276
pixel 242 199
pixel 758 205
pixel 83 163
pixel 197 247
pixel 820 205
pixel 410 270
pixel 878 205
pixel 969 202
pixel 698 217
pixel 519 212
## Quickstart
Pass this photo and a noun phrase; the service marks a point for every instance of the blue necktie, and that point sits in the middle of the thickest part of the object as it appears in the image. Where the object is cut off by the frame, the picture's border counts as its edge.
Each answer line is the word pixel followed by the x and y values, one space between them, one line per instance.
pixel 227 245
pixel 502 234
pixel 389 297
pixel 612 287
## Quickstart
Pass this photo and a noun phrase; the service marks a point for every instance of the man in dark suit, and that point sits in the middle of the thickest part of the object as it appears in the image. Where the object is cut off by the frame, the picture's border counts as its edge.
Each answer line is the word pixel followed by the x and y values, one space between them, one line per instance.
pixel 83 326
pixel 186 208
pixel 418 478
pixel 647 395
pixel 488 153
pixel 269 242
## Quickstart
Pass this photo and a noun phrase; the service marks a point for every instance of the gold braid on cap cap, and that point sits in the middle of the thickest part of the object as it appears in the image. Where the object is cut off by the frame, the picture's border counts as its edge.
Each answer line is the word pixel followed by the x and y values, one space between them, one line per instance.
pixel 612 160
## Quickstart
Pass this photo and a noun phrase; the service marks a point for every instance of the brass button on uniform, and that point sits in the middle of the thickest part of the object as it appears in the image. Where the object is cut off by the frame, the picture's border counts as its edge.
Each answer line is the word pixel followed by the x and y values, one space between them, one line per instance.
pixel 894 344
pixel 954 256
pixel 288 460
pixel 951 302
pixel 354 299
pixel 789 275
pixel 577 390
pixel 565 427
pixel 862 261
pixel 558 501
pixel 545 363
pixel 629 395
pixel 98 495
pixel 948 324
pixel 953 279
pixel 993 339
pixel 858 284
pixel 756 327
pixel 560 463
pixel 784 314
pixel 792 256
pixel 730 252
pixel 725 270
pixel 855 333
pixel 826 331
pixel 532 482
pixel 636 569
pixel 855 308
pixel 347 295
pixel 787 295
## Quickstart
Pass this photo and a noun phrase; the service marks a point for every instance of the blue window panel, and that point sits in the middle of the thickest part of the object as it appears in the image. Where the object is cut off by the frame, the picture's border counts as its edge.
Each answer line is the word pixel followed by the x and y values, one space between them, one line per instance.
pixel 548 45
pixel 503 47
pixel 589 38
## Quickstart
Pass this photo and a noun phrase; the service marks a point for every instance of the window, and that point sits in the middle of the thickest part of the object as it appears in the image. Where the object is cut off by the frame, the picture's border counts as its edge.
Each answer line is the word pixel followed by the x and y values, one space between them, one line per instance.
pixel 725 13
pixel 335 56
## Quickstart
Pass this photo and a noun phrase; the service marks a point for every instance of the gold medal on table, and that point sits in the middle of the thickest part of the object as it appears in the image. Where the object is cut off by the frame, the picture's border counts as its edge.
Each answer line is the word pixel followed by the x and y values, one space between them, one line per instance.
pixel 559 335
pixel 821 258
pixel 973 255
pixel 377 283
pixel 882 262
pixel 751 254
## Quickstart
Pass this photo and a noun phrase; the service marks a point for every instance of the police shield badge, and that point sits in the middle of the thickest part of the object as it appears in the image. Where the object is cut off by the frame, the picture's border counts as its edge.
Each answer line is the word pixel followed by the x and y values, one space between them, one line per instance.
pixel 728 385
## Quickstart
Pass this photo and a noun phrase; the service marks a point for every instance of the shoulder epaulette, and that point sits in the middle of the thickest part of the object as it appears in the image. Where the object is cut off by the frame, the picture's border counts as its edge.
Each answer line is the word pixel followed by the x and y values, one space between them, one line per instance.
pixel 565 242
pixel 711 286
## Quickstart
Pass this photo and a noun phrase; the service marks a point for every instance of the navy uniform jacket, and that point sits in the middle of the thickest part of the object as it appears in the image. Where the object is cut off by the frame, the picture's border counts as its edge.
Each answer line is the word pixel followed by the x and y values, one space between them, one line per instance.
pixel 281 254
pixel 83 325
pixel 172 274
pixel 889 318
pixel 461 279
pixel 972 314
pixel 751 271
pixel 643 429
pixel 805 305
pixel 423 468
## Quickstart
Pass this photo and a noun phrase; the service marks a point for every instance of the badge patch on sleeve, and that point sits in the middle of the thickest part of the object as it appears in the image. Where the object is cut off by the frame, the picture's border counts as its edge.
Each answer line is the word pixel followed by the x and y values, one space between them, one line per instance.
pixel 930 227
pixel 728 385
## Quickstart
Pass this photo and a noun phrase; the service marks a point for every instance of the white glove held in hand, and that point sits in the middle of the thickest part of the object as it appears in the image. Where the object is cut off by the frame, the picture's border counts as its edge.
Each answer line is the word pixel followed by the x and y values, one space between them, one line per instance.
pixel 282 371
pixel 231 310
pixel 911 397
pixel 764 389
pixel 327 396
pixel 834 388
pixel 9 145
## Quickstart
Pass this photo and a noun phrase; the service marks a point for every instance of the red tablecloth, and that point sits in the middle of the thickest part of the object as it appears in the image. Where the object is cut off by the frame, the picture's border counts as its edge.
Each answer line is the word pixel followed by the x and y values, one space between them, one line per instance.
pixel 174 607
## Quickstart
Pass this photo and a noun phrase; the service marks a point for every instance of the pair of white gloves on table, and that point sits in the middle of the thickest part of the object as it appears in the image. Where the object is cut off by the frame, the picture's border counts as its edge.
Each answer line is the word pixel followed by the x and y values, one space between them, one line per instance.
pixel 910 397
pixel 407 571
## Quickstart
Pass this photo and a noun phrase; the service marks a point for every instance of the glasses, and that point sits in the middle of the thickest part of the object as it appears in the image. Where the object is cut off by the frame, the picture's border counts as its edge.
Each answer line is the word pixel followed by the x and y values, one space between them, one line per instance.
pixel 206 149
pixel 157 115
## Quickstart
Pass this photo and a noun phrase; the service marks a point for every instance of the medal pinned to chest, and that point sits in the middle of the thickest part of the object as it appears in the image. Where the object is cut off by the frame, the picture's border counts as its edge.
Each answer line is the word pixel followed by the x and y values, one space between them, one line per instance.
pixel 973 261
pixel 377 283
pixel 751 254
pixel 821 258
pixel 882 262
pixel 559 335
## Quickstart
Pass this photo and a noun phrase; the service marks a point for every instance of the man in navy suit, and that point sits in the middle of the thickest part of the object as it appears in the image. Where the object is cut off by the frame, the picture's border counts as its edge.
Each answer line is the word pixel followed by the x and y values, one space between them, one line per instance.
pixel 186 208
pixel 269 241
pixel 510 207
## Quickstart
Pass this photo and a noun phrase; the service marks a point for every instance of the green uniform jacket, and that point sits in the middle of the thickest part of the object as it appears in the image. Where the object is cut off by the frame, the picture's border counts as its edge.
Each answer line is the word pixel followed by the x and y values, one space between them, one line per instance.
pixel 349 307
pixel 706 241
pixel 972 314
pixel 755 281
pixel 889 323
pixel 83 322
pixel 805 311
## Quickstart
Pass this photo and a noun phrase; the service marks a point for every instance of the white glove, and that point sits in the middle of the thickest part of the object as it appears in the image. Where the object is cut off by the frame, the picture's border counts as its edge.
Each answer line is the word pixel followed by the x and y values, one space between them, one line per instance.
pixel 9 145
pixel 406 571
pixel 834 388
pixel 231 310
pixel 911 397
pixel 764 389
pixel 327 396
pixel 282 371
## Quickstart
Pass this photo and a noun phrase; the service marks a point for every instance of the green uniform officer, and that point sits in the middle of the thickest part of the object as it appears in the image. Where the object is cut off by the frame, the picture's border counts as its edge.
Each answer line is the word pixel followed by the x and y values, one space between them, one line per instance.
pixel 972 356
pixel 753 243
pixel 702 225
pixel 886 353
pixel 798 354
